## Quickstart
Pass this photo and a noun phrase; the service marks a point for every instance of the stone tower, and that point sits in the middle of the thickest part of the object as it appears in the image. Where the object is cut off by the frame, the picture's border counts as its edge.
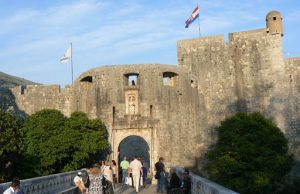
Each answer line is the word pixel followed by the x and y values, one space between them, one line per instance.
pixel 274 23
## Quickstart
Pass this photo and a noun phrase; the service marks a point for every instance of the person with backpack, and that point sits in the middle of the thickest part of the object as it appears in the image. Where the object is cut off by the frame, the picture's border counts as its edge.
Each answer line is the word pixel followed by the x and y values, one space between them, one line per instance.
pixel 160 175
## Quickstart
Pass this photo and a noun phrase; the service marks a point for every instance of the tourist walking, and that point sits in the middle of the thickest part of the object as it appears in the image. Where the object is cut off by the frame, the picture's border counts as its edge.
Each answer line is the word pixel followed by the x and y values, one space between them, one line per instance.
pixel 14 187
pixel 95 178
pixel 160 175
pixel 145 172
pixel 106 171
pixel 136 171
pixel 124 166
pixel 114 169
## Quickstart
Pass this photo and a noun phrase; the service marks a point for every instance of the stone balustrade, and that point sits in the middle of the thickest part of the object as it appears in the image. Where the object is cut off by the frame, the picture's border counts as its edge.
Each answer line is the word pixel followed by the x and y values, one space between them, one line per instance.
pixel 57 183
pixel 63 184
pixel 201 185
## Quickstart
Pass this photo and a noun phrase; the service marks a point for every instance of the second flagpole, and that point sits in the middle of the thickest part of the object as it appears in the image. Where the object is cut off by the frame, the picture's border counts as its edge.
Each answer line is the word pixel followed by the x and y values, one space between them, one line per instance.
pixel 72 61
pixel 199 21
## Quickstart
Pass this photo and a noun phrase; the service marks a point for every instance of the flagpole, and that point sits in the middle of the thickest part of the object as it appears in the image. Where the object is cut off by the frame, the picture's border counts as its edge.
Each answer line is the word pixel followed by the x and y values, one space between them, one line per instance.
pixel 72 61
pixel 199 22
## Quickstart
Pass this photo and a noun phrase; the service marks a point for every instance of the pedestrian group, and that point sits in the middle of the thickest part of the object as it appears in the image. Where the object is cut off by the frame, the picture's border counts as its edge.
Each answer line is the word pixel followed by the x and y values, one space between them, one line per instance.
pixel 102 178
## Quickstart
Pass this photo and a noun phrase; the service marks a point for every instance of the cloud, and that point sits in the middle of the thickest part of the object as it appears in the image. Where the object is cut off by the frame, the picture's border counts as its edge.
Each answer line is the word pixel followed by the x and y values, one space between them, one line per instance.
pixel 104 32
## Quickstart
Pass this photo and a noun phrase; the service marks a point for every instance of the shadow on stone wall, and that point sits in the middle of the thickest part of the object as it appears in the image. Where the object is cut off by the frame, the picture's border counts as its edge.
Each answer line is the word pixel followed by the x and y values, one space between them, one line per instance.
pixel 8 103
pixel 292 121
pixel 289 116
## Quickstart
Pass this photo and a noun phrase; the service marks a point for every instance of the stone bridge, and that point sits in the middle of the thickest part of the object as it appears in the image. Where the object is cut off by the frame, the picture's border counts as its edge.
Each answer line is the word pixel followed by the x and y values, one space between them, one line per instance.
pixel 63 184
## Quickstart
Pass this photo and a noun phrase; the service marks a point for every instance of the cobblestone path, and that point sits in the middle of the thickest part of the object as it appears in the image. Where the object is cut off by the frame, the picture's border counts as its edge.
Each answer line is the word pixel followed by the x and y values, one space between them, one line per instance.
pixel 148 189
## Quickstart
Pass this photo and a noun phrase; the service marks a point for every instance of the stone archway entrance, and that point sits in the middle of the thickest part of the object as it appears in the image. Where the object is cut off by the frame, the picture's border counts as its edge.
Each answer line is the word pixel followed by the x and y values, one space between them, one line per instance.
pixel 134 146
pixel 145 135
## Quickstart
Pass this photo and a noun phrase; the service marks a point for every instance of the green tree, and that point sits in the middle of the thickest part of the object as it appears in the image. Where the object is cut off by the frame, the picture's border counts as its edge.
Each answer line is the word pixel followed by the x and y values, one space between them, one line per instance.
pixel 250 156
pixel 45 146
pixel 90 144
pixel 10 146
pixel 57 144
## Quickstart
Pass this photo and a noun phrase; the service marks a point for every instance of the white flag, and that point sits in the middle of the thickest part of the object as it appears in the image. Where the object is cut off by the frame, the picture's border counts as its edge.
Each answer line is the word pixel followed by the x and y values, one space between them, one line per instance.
pixel 67 55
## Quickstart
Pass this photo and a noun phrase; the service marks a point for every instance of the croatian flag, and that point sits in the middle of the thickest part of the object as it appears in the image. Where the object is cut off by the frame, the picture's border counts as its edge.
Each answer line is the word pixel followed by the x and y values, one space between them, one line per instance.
pixel 193 17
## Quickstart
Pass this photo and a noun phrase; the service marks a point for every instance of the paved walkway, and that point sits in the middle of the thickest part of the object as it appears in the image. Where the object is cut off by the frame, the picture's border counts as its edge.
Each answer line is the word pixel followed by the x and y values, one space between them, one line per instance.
pixel 148 189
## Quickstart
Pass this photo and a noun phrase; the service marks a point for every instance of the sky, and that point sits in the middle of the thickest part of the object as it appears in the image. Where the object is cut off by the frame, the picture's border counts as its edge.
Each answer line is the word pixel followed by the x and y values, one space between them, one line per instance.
pixel 35 34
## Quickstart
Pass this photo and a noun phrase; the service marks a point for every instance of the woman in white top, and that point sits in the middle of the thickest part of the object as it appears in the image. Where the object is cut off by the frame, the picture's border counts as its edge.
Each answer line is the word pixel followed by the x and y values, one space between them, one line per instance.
pixel 114 169
pixel 106 171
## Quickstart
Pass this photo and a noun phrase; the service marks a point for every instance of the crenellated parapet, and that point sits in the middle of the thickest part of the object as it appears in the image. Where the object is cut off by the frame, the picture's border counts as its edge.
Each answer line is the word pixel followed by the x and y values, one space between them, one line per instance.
pixel 33 98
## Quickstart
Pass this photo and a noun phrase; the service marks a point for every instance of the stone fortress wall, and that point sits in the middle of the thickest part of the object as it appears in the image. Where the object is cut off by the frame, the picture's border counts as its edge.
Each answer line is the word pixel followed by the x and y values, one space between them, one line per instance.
pixel 161 106
pixel 248 73
pixel 175 108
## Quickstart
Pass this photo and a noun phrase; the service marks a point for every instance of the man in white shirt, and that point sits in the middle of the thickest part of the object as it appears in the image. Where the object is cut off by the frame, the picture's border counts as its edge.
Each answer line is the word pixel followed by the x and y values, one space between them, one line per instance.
pixel 136 171
pixel 14 187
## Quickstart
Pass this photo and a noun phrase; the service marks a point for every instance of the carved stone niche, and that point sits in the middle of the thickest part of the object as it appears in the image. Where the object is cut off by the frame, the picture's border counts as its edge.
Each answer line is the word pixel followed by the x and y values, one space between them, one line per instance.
pixel 132 102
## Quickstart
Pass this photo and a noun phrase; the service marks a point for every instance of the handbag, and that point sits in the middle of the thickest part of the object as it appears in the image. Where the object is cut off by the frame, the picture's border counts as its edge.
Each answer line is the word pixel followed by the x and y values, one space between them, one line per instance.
pixel 141 181
pixel 129 181
pixel 156 175
pixel 104 183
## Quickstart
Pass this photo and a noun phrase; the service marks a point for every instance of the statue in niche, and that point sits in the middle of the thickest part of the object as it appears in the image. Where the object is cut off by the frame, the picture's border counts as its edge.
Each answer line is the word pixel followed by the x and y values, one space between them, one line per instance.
pixel 131 104
pixel 133 83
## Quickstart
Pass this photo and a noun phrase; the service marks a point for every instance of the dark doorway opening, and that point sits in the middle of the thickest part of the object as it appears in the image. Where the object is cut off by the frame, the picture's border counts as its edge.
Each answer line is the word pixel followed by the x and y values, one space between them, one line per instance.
pixel 133 146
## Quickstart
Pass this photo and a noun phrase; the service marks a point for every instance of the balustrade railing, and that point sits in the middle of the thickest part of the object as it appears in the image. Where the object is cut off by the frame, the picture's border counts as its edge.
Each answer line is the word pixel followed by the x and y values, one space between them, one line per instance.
pixel 201 185
pixel 53 184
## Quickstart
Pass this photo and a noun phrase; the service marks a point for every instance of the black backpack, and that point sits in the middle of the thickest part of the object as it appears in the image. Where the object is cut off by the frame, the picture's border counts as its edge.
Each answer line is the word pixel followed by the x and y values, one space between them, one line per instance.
pixel 85 179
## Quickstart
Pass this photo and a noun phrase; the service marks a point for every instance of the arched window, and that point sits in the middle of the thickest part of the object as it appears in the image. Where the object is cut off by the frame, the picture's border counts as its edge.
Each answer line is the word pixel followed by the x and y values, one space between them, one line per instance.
pixel 87 79
pixel 131 79
pixel 170 78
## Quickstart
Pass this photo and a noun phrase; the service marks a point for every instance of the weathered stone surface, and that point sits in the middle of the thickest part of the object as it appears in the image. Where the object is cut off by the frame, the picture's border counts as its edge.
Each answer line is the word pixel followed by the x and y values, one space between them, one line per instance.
pixel 7 99
pixel 248 73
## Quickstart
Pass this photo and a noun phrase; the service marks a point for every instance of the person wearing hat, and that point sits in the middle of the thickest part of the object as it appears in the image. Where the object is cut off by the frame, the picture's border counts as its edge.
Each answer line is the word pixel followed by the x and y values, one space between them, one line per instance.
pixel 79 183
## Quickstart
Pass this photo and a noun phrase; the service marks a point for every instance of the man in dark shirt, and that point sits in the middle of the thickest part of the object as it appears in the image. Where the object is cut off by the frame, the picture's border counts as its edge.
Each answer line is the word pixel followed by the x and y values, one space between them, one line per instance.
pixel 175 183
pixel 186 186
pixel 160 170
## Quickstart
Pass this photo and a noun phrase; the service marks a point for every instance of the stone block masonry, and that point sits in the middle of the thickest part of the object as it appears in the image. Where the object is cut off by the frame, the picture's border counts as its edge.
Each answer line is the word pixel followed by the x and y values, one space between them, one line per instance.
pixel 246 74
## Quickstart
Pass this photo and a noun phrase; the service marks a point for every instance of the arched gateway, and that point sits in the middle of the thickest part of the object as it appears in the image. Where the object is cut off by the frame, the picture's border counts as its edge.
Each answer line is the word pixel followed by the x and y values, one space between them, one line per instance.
pixel 131 142
pixel 134 146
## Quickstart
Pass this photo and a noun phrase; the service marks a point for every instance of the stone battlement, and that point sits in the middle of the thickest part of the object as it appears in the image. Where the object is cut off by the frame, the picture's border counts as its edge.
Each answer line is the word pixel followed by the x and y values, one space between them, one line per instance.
pixel 41 89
